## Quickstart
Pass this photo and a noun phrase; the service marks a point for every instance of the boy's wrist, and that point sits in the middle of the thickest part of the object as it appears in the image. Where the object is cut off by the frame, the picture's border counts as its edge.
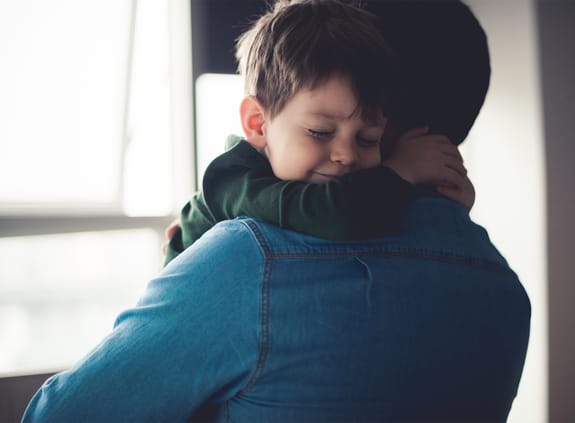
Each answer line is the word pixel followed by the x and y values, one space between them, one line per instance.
pixel 401 171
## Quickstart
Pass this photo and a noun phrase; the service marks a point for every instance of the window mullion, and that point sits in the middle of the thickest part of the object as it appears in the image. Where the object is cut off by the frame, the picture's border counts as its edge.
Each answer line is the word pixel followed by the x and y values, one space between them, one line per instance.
pixel 126 136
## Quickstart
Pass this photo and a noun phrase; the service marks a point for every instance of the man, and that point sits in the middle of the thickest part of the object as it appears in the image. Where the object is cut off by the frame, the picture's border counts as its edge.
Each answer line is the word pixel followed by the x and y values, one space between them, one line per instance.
pixel 256 323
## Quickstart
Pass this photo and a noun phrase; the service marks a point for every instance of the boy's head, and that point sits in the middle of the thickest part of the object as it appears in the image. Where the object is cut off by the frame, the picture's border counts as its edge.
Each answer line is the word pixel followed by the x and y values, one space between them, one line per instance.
pixel 444 60
pixel 299 44
pixel 318 80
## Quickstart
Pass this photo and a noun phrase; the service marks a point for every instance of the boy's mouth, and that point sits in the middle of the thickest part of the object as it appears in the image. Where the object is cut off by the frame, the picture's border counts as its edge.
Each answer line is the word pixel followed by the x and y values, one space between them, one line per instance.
pixel 325 177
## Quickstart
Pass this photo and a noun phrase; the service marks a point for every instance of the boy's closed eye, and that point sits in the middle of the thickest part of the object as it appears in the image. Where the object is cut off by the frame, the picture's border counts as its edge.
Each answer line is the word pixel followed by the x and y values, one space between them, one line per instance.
pixel 363 141
pixel 368 142
pixel 320 134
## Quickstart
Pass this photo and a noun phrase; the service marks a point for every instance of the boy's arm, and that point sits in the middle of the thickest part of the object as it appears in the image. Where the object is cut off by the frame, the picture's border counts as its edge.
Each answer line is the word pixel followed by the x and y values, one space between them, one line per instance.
pixel 431 159
pixel 358 205
pixel 195 219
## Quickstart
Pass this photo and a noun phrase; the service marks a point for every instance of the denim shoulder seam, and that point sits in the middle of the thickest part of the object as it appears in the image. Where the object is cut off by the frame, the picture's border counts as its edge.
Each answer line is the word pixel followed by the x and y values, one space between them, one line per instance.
pixel 264 343
pixel 408 254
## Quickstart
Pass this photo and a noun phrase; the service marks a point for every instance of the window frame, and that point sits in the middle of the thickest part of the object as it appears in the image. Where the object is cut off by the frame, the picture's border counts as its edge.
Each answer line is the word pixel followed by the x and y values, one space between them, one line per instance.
pixel 43 218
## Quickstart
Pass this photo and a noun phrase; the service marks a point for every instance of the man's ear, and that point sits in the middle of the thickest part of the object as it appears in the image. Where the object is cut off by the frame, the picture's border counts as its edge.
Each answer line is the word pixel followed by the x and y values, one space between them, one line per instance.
pixel 253 118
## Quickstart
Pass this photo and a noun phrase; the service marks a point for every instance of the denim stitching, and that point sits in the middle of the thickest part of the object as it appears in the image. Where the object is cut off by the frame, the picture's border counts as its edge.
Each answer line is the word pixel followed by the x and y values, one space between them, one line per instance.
pixel 264 306
pixel 451 259
pixel 269 256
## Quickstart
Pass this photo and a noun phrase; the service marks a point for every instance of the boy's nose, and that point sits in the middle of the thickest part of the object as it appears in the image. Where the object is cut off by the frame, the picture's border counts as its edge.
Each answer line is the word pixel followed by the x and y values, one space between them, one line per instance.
pixel 344 152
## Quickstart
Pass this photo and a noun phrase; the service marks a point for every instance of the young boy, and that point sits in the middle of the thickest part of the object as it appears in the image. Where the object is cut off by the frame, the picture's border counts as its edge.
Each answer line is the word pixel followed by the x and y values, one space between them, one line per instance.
pixel 319 85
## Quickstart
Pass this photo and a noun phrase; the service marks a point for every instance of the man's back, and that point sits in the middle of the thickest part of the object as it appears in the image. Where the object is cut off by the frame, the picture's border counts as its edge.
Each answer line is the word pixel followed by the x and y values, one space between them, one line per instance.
pixel 428 324
pixel 255 323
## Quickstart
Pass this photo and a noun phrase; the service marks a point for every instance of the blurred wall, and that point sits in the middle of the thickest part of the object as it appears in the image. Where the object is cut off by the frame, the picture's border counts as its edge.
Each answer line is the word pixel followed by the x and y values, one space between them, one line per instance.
pixel 505 157
pixel 556 19
pixel 15 393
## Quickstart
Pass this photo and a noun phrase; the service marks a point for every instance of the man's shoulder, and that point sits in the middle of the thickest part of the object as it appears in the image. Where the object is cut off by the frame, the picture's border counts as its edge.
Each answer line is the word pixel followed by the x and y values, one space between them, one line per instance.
pixel 271 239
pixel 277 242
pixel 235 231
pixel 221 246
pixel 249 230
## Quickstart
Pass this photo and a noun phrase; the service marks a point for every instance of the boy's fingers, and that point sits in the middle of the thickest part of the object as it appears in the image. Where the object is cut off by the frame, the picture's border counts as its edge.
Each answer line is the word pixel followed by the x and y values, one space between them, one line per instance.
pixel 452 151
pixel 456 165
pixel 415 132
pixel 172 228
pixel 420 130
pixel 457 195
pixel 439 140
pixel 453 178
pixel 462 194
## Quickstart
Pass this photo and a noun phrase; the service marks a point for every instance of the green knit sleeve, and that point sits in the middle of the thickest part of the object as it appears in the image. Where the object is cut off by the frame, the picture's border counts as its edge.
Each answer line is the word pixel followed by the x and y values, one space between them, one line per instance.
pixel 359 205
pixel 241 182
pixel 195 219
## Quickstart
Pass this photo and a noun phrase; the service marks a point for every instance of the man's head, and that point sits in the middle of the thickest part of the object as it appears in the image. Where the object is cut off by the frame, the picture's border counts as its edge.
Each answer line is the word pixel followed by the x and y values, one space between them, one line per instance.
pixel 318 79
pixel 444 60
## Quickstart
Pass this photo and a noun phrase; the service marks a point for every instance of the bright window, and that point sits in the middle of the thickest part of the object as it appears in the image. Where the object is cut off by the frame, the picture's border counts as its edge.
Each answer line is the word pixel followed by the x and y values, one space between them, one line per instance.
pixel 61 293
pixel 218 98
pixel 95 145
pixel 62 79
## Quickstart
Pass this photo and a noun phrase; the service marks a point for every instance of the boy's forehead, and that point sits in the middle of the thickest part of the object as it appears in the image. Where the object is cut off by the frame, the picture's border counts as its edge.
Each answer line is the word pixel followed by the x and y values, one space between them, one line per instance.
pixel 334 99
pixel 336 115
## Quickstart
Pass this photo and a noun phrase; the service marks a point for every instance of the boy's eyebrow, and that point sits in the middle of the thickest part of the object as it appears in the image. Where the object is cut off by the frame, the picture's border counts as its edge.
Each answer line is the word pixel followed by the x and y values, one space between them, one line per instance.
pixel 332 116
pixel 335 116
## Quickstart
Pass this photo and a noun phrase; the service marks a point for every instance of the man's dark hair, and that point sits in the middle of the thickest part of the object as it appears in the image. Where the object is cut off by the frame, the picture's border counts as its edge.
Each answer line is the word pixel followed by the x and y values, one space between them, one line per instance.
pixel 444 60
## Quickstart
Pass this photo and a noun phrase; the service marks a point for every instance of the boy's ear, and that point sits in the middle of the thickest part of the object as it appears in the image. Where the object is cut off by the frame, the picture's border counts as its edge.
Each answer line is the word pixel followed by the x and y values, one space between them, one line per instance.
pixel 253 118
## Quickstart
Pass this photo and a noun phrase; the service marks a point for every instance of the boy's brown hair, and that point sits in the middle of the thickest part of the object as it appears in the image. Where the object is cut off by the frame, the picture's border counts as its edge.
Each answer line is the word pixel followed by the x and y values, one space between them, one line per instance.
pixel 299 44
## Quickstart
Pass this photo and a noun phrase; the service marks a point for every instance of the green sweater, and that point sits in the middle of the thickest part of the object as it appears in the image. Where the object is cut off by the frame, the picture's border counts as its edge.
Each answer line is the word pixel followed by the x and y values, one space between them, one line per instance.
pixel 240 182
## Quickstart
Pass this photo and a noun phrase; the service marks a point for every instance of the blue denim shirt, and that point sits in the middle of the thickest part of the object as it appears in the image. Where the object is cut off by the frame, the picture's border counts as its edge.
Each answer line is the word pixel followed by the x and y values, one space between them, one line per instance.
pixel 255 323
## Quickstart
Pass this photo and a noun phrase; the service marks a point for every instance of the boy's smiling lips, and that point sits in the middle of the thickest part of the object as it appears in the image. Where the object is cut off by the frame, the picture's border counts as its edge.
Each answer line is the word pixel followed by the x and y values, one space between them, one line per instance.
pixel 327 176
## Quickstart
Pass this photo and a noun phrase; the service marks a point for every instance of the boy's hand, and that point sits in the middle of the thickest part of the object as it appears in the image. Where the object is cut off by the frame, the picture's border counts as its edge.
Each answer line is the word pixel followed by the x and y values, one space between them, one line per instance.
pixel 169 233
pixel 423 158
pixel 463 192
